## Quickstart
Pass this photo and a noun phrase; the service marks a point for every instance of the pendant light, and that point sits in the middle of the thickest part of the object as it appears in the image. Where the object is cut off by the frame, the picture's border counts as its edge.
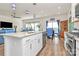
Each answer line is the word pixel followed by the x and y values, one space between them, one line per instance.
pixel 34 15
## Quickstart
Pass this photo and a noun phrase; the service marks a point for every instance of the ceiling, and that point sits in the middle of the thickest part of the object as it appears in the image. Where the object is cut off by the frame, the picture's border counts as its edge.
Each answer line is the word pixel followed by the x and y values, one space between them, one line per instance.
pixel 40 9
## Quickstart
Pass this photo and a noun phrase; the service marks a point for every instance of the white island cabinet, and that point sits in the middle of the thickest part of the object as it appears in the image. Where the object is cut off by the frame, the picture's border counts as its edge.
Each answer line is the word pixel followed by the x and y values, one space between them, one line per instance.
pixel 27 44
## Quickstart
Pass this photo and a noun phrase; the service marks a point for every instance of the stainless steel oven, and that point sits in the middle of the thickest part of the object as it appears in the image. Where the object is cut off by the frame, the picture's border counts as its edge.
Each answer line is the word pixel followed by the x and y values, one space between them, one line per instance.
pixel 71 44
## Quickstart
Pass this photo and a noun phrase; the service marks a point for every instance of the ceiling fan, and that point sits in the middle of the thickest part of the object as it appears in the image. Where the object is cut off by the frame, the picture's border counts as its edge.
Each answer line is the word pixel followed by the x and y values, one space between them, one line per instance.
pixel 14 9
pixel 14 16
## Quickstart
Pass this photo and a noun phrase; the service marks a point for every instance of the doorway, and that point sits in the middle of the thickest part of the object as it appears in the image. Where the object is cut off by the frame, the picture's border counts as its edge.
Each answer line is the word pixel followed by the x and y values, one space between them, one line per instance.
pixel 52 28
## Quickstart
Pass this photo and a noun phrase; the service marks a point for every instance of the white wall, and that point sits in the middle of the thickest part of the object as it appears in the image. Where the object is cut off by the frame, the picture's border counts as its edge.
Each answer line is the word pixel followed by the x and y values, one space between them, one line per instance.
pixel 19 24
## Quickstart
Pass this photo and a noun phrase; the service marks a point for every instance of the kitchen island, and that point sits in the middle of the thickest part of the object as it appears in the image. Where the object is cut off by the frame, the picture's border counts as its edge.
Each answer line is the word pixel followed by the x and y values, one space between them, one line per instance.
pixel 22 43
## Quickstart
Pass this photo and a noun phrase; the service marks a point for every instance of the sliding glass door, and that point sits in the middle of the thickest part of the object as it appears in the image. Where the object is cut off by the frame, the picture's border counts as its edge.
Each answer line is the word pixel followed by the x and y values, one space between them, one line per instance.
pixel 55 27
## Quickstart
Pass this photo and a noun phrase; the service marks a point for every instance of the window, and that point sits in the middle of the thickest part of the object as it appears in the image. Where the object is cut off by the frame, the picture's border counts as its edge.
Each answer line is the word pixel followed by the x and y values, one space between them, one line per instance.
pixel 55 26
pixel 37 26
pixel 49 25
pixel 33 26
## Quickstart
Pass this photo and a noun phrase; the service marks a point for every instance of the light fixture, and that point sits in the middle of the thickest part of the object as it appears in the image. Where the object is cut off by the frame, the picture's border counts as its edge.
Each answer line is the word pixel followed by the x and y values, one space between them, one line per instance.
pixel 13 6
pixel 27 12
pixel 34 14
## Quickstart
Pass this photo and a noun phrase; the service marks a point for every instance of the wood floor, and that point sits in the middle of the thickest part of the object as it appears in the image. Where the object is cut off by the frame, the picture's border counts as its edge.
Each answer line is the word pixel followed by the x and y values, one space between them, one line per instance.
pixel 53 47
pixel 1 50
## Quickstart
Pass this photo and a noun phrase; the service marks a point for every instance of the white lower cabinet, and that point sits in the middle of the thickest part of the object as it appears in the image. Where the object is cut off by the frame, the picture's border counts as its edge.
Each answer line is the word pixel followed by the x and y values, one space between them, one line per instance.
pixel 32 45
pixel 39 41
pixel 26 46
pixel 36 46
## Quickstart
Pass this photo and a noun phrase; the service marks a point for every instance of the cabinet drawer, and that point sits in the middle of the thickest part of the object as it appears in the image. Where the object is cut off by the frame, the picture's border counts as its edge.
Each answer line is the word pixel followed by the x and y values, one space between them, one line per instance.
pixel 26 41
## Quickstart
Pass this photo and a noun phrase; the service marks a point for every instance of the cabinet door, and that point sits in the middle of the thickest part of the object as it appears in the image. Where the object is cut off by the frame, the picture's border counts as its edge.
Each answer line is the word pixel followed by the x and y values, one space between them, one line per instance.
pixel 39 41
pixel 26 46
pixel 32 45
pixel 29 46
pixel 36 45
pixel 27 50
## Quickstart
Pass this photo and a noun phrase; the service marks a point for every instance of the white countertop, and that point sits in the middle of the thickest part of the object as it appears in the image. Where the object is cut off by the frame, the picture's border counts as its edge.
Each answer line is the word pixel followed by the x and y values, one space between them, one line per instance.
pixel 21 34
